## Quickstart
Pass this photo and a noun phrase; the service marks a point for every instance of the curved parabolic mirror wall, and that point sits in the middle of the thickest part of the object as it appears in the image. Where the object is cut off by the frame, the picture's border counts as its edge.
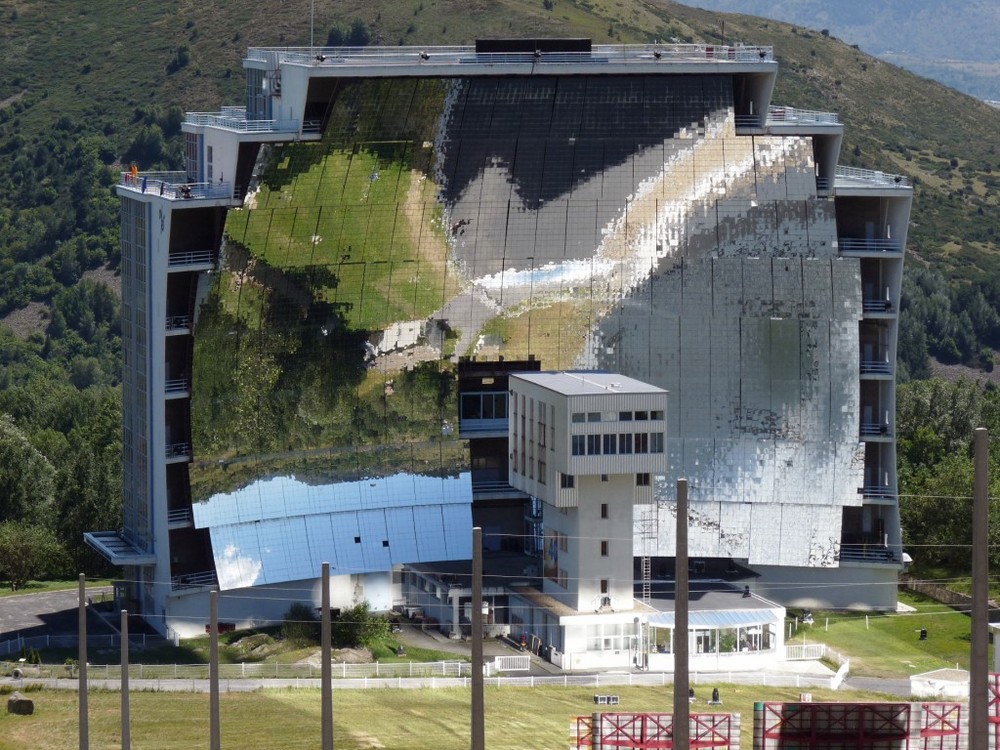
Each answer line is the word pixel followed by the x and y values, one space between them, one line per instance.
pixel 590 221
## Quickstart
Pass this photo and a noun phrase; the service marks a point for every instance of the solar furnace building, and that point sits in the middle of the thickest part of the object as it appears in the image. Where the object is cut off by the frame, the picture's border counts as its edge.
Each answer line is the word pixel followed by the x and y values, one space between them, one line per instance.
pixel 299 301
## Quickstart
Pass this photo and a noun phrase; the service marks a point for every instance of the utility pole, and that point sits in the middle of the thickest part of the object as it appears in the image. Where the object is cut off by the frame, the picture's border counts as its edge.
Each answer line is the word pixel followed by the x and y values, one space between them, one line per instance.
pixel 214 729
pixel 326 669
pixel 82 654
pixel 682 703
pixel 478 710
pixel 979 667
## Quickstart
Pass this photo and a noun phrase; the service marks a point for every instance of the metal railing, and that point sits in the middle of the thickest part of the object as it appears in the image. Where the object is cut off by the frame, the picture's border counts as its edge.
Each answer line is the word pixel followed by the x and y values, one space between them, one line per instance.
pixel 873 245
pixel 875 367
pixel 878 492
pixel 777 115
pixel 872 176
pixel 194 580
pixel 875 429
pixel 876 306
pixel 180 517
pixel 458 55
pixel 590 681
pixel 177 322
pixel 176 385
pixel 189 258
pixel 175 186
pixel 866 553
pixel 178 450
pixel 236 119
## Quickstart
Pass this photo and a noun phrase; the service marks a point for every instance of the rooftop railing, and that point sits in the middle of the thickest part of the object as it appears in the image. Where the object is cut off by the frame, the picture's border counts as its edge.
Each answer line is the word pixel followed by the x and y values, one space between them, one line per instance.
pixel 237 120
pixel 459 55
pixel 780 115
pixel 872 177
pixel 868 245
pixel 189 258
pixel 175 186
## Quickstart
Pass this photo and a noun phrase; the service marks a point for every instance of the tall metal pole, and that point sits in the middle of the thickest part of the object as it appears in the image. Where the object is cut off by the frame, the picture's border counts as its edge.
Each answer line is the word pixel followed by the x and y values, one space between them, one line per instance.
pixel 82 654
pixel 682 705
pixel 326 655
pixel 979 666
pixel 478 710
pixel 215 739
pixel 126 710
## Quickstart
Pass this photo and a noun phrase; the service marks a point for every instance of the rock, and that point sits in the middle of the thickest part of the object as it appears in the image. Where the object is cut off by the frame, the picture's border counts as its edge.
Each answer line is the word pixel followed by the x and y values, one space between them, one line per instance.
pixel 18 704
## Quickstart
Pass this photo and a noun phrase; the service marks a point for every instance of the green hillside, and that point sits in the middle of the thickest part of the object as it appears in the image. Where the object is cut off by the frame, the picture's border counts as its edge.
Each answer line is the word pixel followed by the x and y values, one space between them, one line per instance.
pixel 90 87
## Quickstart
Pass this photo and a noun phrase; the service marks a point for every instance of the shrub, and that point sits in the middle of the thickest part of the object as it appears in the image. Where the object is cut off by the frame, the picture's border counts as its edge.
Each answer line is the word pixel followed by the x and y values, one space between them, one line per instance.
pixel 301 624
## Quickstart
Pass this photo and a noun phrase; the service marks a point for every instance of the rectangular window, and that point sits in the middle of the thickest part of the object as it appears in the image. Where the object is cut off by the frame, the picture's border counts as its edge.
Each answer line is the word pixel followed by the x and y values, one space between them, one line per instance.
pixel 593 445
pixel 604 477
pixel 593 416
pixel 579 445
pixel 604 510
pixel 641 416
pixel 604 585
pixel 656 442
pixel 656 415
pixel 624 416
pixel 641 442
pixel 541 471
pixel 604 548
pixel 563 542
pixel 567 481
pixel 642 480
pixel 609 445
pixel 578 416
pixel 625 442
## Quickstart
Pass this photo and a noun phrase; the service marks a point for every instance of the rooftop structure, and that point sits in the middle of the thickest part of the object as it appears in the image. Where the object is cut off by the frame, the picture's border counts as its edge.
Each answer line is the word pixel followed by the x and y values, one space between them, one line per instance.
pixel 320 310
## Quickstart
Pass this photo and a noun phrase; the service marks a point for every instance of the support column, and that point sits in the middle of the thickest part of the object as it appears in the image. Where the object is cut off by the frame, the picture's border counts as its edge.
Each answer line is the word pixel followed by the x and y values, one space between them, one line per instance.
pixel 84 718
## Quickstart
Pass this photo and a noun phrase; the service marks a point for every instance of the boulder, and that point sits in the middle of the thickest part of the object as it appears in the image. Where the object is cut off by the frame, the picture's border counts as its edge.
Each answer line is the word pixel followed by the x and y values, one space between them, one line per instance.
pixel 18 704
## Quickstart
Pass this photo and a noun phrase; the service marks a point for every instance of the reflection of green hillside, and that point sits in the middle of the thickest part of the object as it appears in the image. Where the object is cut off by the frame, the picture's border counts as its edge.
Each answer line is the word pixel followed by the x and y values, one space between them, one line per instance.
pixel 442 457
pixel 368 216
pixel 343 238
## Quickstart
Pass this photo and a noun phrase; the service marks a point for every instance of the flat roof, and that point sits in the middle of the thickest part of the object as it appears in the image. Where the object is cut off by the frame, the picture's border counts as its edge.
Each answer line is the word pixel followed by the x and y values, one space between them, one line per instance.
pixel 586 382
pixel 601 59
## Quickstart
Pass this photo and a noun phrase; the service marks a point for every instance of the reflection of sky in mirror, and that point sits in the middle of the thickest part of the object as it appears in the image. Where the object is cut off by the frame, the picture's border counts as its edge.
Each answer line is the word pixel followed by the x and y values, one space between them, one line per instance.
pixel 282 529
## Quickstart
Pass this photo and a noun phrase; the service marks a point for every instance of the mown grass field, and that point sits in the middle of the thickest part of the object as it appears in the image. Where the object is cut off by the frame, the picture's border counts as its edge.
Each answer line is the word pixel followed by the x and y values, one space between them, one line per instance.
pixel 888 645
pixel 528 718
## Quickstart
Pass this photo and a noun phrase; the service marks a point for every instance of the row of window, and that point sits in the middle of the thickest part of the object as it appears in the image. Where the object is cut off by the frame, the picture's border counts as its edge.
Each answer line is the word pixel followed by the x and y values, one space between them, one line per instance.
pixel 623 443
pixel 616 416
pixel 568 482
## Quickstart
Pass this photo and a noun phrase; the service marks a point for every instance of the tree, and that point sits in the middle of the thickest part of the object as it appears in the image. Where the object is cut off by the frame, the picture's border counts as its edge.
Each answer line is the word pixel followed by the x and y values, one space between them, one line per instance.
pixel 357 626
pixel 28 552
pixel 26 476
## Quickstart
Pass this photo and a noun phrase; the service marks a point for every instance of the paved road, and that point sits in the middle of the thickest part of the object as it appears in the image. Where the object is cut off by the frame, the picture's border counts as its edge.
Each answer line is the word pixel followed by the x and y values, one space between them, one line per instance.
pixel 879 685
pixel 47 613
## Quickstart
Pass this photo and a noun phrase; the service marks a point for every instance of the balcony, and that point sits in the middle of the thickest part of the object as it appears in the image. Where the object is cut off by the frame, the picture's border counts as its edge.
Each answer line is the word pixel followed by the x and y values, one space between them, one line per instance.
pixel 178 452
pixel 878 308
pixel 875 430
pixel 194 580
pixel 235 119
pixel 177 388
pixel 191 260
pixel 178 324
pixel 868 553
pixel 857 247
pixel 879 492
pixel 875 361
pixel 180 518
pixel 852 176
pixel 175 186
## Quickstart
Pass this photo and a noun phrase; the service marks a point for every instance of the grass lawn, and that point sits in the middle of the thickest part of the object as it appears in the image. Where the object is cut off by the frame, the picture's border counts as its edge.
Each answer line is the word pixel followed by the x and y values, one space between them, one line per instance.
pixel 430 719
pixel 887 645
pixel 39 587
